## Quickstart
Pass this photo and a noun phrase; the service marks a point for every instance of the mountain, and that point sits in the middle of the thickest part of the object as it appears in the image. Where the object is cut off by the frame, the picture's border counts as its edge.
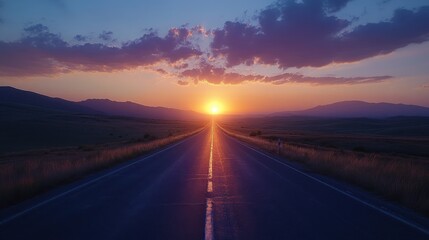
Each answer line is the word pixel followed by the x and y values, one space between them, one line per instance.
pixel 136 110
pixel 359 109
pixel 18 102
pixel 12 97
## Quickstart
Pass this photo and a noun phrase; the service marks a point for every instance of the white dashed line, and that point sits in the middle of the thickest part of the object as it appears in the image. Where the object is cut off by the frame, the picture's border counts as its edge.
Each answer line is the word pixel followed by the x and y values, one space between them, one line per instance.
pixel 209 220
pixel 208 232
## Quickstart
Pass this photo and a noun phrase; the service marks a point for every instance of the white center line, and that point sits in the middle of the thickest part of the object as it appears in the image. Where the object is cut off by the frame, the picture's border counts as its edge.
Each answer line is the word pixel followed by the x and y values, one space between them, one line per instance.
pixel 209 220
pixel 210 186
pixel 210 175
pixel 209 206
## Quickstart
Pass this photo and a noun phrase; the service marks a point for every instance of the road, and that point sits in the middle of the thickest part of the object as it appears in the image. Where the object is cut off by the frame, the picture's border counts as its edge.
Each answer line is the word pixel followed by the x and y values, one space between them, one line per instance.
pixel 209 186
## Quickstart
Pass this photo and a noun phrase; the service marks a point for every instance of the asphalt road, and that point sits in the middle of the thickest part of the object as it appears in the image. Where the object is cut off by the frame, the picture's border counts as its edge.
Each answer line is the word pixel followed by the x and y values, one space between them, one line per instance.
pixel 209 186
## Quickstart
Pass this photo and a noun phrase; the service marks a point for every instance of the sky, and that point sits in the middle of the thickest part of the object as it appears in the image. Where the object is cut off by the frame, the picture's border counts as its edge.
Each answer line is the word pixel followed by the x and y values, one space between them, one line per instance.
pixel 245 56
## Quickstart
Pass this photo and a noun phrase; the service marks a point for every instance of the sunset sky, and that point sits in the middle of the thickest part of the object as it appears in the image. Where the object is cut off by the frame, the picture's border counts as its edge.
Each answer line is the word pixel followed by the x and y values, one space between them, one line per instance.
pixel 248 56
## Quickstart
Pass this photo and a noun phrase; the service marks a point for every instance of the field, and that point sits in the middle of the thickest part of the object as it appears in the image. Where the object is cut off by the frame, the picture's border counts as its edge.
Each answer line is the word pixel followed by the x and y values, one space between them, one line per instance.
pixel 26 128
pixel 389 157
pixel 43 149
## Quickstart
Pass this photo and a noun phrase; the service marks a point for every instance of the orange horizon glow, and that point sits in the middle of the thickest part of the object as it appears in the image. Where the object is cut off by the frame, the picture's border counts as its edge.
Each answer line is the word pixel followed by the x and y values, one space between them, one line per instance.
pixel 248 98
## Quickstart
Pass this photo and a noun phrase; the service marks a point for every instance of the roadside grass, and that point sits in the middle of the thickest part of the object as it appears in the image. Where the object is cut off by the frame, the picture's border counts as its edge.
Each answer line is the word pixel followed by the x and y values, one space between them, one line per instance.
pixel 27 177
pixel 395 178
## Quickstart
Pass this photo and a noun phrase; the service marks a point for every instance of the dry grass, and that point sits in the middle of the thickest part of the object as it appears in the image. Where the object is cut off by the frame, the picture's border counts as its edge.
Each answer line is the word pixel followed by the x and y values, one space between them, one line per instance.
pixel 25 178
pixel 406 182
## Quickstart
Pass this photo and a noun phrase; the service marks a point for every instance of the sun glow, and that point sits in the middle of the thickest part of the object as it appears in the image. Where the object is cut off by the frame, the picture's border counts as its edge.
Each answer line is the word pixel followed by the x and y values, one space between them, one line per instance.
pixel 214 108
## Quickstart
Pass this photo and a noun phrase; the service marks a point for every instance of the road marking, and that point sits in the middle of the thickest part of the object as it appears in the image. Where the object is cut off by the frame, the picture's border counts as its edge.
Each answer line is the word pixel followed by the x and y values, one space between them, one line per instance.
pixel 209 220
pixel 8 219
pixel 208 231
pixel 398 218
pixel 210 186
pixel 211 155
pixel 210 175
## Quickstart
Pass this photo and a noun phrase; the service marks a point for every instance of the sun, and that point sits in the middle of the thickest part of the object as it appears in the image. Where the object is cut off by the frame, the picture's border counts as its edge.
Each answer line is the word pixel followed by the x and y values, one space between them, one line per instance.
pixel 214 109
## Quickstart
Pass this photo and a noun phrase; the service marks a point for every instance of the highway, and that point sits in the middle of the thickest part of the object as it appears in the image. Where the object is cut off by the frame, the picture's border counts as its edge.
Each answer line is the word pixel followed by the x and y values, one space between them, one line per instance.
pixel 209 186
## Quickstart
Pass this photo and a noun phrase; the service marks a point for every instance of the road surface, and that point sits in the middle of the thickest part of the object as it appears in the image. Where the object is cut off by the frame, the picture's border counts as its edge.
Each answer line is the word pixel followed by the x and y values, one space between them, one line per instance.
pixel 209 186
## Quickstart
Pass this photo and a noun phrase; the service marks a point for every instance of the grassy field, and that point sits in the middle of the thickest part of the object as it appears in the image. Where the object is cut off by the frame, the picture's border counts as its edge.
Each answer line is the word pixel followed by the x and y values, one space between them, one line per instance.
pixel 42 151
pixel 381 156
pixel 26 128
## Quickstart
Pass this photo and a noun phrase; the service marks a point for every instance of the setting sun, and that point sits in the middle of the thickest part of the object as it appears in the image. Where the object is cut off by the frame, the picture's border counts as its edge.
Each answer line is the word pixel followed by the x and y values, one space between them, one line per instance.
pixel 214 108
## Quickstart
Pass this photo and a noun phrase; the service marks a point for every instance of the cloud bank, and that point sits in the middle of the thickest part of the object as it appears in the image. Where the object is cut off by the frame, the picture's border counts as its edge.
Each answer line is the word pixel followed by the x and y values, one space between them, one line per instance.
pixel 303 34
pixel 41 52
pixel 216 75
pixel 287 34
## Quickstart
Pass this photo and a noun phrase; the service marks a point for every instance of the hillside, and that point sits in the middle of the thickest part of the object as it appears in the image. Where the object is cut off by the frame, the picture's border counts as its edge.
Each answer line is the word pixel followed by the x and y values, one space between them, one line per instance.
pixel 137 110
pixel 359 109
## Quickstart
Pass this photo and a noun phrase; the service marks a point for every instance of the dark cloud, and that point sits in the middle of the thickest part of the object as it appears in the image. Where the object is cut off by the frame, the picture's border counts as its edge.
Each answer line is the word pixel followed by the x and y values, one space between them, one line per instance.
pixel 41 52
pixel 289 34
pixel 36 29
pixel 80 38
pixel 181 66
pixel 106 36
pixel 162 71
pixel 298 78
pixel 299 34
pixel 183 83
pixel 217 75
pixel 373 39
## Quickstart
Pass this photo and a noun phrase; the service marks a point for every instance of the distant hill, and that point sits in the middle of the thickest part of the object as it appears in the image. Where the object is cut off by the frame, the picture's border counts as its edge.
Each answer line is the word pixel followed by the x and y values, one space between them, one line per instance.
pixel 136 110
pixel 359 109
pixel 19 103
pixel 19 98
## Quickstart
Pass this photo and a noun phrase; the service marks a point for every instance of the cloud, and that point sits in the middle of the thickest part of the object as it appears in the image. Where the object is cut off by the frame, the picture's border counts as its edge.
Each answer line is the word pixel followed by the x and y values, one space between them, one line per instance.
pixel 161 71
pixel 335 5
pixel 80 38
pixel 289 34
pixel 298 78
pixel 217 75
pixel 106 36
pixel 301 34
pixel 183 83
pixel 181 66
pixel 36 29
pixel 41 52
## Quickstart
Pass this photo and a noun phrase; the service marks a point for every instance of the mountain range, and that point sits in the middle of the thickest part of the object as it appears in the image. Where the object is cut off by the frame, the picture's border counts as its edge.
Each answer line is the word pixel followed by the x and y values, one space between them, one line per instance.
pixel 15 98
pixel 11 98
pixel 137 110
pixel 359 109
